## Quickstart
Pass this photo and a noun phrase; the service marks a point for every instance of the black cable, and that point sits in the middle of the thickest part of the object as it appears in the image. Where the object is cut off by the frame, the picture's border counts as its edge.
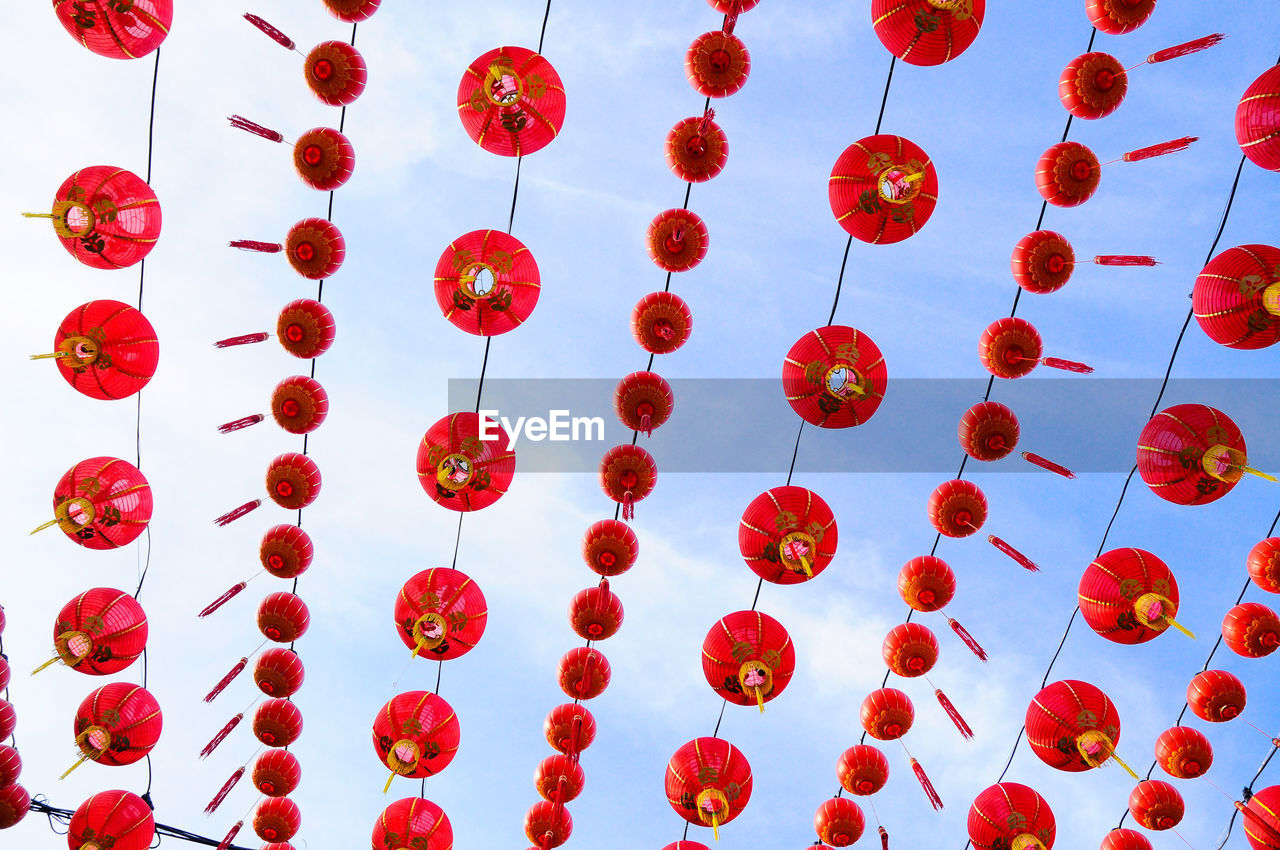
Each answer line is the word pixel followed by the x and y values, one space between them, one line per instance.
pixel 63 816
pixel 884 100
pixel 840 280
pixel 543 33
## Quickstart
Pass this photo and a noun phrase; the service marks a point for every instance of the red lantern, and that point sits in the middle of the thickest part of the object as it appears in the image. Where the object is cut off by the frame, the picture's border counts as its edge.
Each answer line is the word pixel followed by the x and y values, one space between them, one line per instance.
pixel 988 431
pixel 306 328
pixel 8 719
pixel 1067 174
pixel 887 714
pixel 286 551
pixel 862 770
pixel 279 672
pixel 283 617
pixel 559 779
pixel 15 802
pixel 927 32
pixel 299 405
pixel 569 728
pixel 100 632
pixel 463 466
pixel 733 7
pixel 748 657
pixel 1125 839
pixel 276 773
pixel 1093 85
pixel 1043 261
pixel 547 824
pixel 116 30
pixel 511 101
pixel 1184 752
pixel 117 724
pixel 1216 696
pixel 1252 630
pixel 883 189
pixel 1009 814
pixel 697 149
pixel 910 650
pixel 336 73
pixel 1011 347
pixel 1117 17
pixel 1191 454
pixel 1262 818
pixel 102 503
pixel 412 822
pixel 277 819
pixel 661 322
pixel 4 673
pixel 717 64
pixel 416 734
pixel 787 535
pixel 610 547
pixel 1258 120
pixel 106 217
pixel 277 722
pixel 926 583
pixel 352 12
pixel 314 248
pixel 708 782
pixel 643 401
pixel 1236 298
pixel 627 475
pixel 583 673
pixel 1156 804
pixel 595 613
pixel 10 765
pixel 1129 596
pixel 115 819
pixel 839 822
pixel 487 282
pixel 1072 725
pixel 834 377
pixel 677 241
pixel 324 158
pixel 957 508
pixel 105 350
pixel 440 611
pixel 1264 564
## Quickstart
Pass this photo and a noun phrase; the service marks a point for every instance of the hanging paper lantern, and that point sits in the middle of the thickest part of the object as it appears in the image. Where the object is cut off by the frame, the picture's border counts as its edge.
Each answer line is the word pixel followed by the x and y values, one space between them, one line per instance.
pixel 610 547
pixel 927 32
pixel 277 819
pixel 105 350
pixel 117 820
pixel 277 722
pixel 569 728
pixel 748 658
pixel 283 617
pixel 352 12
pixel 1008 815
pixel 1042 261
pixel 1128 596
pixel 278 672
pixel 1264 564
pixel 116 30
pixel 583 673
pixel 286 551
pixel 8 719
pixel 862 770
pixel 1258 120
pixel 839 822
pixel 1191 454
pixel 1011 348
pixel 787 535
pixel 10 765
pixel 957 508
pixel 1117 17
pixel 1125 839
pixel 708 782
pixel 595 613
pixel 314 248
pixel 117 724
pixel 1236 298
pixel 106 217
pixel 440 611
pixel 643 401
pixel 547 824
pixel 1184 752
pixel 416 734
pixel 883 189
pixel 926 583
pixel 717 64
pixel 559 779
pixel 677 241
pixel 834 377
pixel 324 158
pixel 1072 725
pixel 336 73
pixel 1252 630
pixel 697 149
pixel 100 632
pixel 1156 804
pixel 1262 818
pixel 988 431
pixel 102 503
pixel 1093 85
pixel 306 328
pixel 4 673
pixel 487 282
pixel 412 822
pixel 463 467
pixel 276 773
pixel 887 714
pixel 627 475
pixel 15 802
pixel 1067 174
pixel 661 322
pixel 1216 696
pixel 511 101
pixel 298 404
pixel 910 650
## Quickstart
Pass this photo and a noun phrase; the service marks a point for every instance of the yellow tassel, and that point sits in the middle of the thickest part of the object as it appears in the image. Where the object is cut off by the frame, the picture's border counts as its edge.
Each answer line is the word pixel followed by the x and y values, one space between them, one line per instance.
pixel 47 356
pixel 804 565
pixel 715 827
pixel 1128 769
pixel 52 660
pixel 1180 627
pixel 38 215
pixel 1260 474
pixel 82 760
pixel 46 525
pixel 387 787
pixel 417 649
pixel 914 177
pixel 760 699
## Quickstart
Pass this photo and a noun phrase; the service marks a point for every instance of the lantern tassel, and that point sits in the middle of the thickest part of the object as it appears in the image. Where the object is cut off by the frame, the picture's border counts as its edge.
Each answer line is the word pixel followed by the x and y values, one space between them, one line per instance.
pixel 646 425
pixel 222 794
pixel 1066 365
pixel 82 760
pixel 226 842
pixel 731 19
pixel 58 354
pixel 52 660
pixel 1126 767
pixel 226 680
pixel 1125 260
pixel 387 787
pixel 242 123
pixel 251 245
pixel 222 600
pixel 221 736
pixel 1260 474
pixel 760 699
pixel 967 638
pixel 929 790
pixel 235 514
pixel 271 32
pixel 1044 463
pixel 628 506
pixel 40 528
pixel 715 826
pixel 1023 560
pixel 240 424
pixel 708 115
pixel 1161 149
pixel 37 215
pixel 575 730
pixel 954 714
pixel 884 839
pixel 1186 49
pixel 242 340
pixel 1180 627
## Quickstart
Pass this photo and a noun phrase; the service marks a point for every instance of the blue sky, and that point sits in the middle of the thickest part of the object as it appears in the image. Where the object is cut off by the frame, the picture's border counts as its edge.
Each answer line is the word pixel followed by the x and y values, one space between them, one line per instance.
pixel 817 77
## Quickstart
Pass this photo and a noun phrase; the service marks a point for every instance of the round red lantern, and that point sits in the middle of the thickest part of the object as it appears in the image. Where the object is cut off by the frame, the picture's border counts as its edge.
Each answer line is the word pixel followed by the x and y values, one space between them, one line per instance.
pixel 1125 839
pixel 583 673
pixel 610 547
pixel 102 503
pixel 324 158
pixel 1067 174
pixel 862 770
pixel 10 765
pixel 559 779
pixel 463 466
pixel 748 657
pixel 834 377
pixel 279 672
pixel 1093 85
pixel 487 282
pixel 336 73
pixel 1264 564
pixel 957 508
pixel 1128 596
pixel 306 328
pixel 511 101
pixel 787 535
pixel 595 613
pixel 1011 348
pixel 883 189
pixel 717 64
pixel 1258 120
pixel 283 617
pixel 1156 804
pixel 1262 818
pixel 352 12
pixel 927 32
pixel 286 551
pixel 926 583
pixel 1216 696
pixel 277 722
pixel 1117 17
pixel 15 802
pixel 569 728
pixel 1072 725
pixel 661 322
pixel 440 611
pixel 105 350
pixel 276 773
pixel 1008 815
pixel 643 401
pixel 117 724
pixel 697 149
pixel 1252 630
pixel 299 404
pixel 315 248
pixel 547 824
pixel 114 819
pixel 106 217
pixel 412 822
pixel 910 650
pixel 1191 454
pixel 293 481
pixel 116 30
pixel 100 632
pixel 1184 752
pixel 1236 298
pixel 839 822
pixel 887 714
pixel 1042 261
pixel 988 431
pixel 8 719
pixel 277 819
pixel 416 734
pixel 677 240
pixel 627 475
pixel 708 782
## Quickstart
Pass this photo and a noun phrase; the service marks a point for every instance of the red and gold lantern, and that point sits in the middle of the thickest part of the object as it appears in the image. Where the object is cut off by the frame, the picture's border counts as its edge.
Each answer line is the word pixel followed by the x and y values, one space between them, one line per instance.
pixel 511 101
pixel 487 282
pixel 883 189
pixel 834 377
pixel 442 612
pixel 787 535
pixel 465 465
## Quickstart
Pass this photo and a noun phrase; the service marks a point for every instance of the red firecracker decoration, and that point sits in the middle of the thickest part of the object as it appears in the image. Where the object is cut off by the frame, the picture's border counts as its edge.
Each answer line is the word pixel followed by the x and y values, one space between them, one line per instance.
pixel 1184 752
pixel 117 724
pixel 116 30
pixel 117 820
pixel 717 64
pixel 787 535
pixel 643 401
pixel 697 149
pixel 1236 298
pixel 463 466
pixel 834 377
pixel 1251 630
pixel 1191 454
pixel 1129 596
pixel 511 101
pixel 927 32
pixel 677 240
pixel 1073 726
pixel 276 773
pixel 412 822
pixel 708 782
pixel 1008 815
pixel 415 734
pixel 100 632
pixel 883 189
pixel 1117 17
pixel 862 770
pixel 487 282
pixel 661 322
pixel 627 475
pixel 1216 696
pixel 926 583
pixel 105 350
pixel 440 613
pixel 102 503
pixel 1258 120
pixel 748 658
pixel 1156 804
pixel 106 217
pixel 610 547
